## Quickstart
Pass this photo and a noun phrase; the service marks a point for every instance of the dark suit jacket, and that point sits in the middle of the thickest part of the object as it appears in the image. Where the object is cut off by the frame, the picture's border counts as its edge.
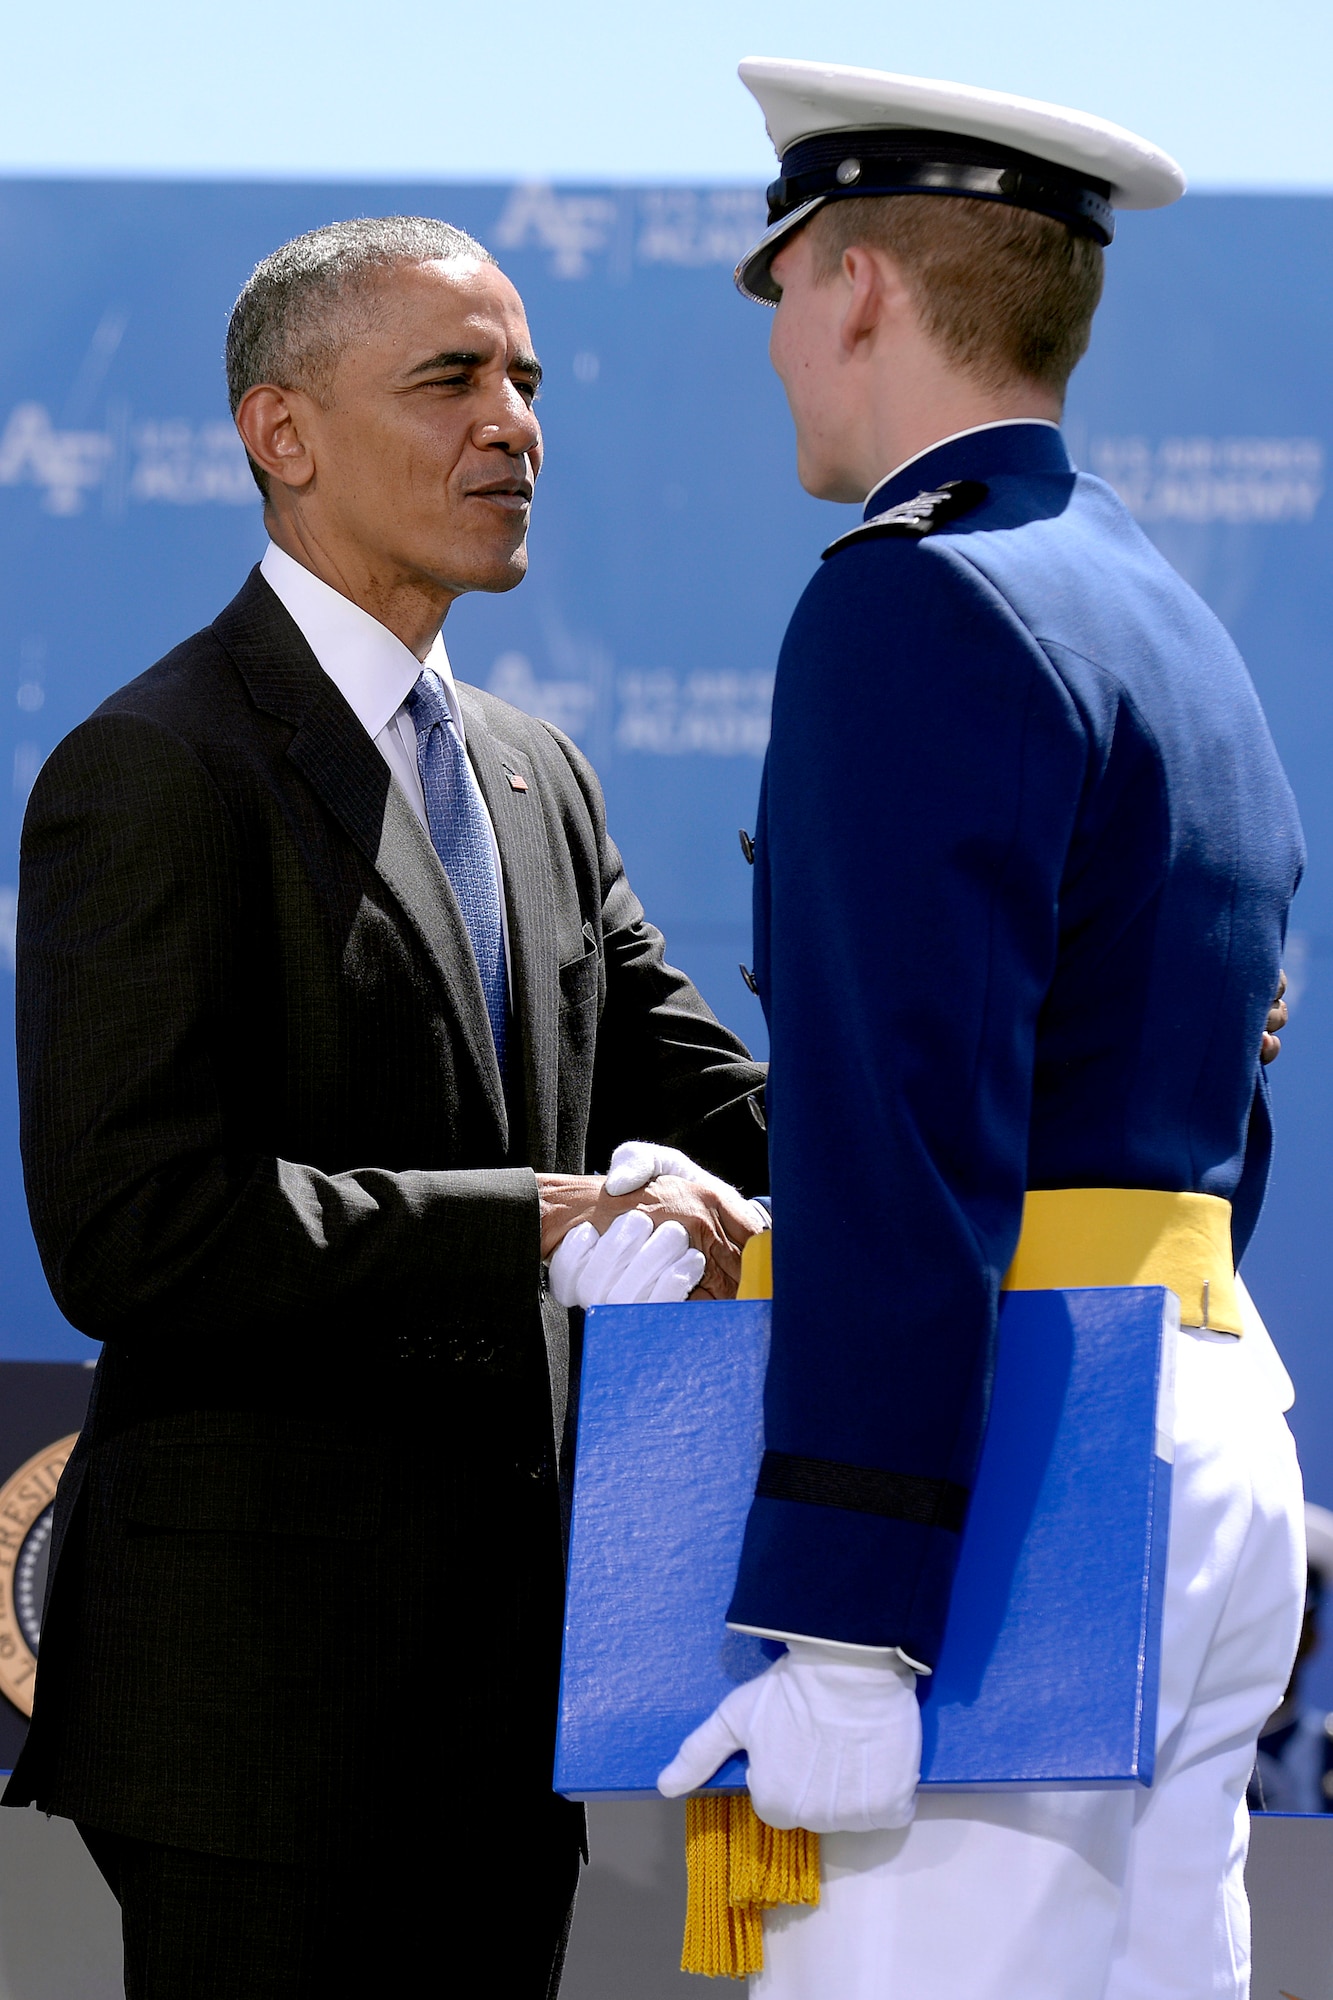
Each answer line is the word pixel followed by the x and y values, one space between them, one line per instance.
pixel 309 1558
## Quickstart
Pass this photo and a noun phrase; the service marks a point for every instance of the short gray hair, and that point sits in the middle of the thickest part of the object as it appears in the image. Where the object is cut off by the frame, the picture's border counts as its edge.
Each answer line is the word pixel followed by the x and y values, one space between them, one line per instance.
pixel 291 322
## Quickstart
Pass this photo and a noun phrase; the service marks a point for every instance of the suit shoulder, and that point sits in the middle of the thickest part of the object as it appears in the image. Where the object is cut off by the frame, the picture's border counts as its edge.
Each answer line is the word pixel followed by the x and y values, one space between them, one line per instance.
pixel 546 745
pixel 162 719
pixel 501 718
pixel 177 690
pixel 567 779
pixel 195 687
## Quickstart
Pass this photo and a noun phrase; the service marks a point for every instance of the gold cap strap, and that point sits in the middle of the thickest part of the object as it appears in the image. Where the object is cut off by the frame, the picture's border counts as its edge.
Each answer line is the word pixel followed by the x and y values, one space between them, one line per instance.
pixel 1077 1237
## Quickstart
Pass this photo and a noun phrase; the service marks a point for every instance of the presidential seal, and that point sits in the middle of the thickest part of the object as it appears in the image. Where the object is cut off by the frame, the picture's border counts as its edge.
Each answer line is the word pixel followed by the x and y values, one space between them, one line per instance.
pixel 26 1509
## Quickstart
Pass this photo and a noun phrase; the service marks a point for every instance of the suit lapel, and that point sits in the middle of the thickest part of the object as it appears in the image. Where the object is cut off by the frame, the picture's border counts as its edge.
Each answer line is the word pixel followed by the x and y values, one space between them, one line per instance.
pixel 341 764
pixel 520 833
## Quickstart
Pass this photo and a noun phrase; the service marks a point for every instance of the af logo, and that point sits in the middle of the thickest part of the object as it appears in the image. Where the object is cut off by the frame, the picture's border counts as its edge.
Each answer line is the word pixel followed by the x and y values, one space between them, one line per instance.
pixel 25 1553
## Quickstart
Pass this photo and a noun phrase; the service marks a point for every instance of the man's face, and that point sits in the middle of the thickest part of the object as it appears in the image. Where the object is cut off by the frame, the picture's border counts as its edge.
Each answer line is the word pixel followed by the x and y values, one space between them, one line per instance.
pixel 426 445
pixel 807 351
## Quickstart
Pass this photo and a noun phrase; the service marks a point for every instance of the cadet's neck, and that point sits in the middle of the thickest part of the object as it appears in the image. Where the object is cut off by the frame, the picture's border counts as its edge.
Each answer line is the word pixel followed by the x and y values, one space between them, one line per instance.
pixel 902 425
pixel 879 417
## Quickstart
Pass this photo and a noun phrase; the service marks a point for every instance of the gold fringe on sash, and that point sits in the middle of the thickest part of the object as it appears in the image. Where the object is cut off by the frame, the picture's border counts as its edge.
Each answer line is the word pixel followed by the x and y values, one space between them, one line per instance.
pixel 739 1867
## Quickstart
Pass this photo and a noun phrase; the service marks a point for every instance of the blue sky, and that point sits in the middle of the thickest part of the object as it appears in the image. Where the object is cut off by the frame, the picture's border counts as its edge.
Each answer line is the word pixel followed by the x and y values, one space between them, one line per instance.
pixel 598 90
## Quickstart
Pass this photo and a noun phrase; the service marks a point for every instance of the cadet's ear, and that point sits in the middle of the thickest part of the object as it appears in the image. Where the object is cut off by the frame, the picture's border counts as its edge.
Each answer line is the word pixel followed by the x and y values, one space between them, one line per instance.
pixel 876 293
pixel 270 421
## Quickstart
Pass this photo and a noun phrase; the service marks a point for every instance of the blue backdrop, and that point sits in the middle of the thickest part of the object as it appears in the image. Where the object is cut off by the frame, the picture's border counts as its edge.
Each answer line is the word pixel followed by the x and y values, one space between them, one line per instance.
pixel 670 542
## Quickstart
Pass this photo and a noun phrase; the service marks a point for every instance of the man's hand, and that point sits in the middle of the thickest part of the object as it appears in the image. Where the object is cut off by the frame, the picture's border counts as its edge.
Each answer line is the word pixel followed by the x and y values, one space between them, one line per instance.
pixel 716 1220
pixel 635 1162
pixel 1270 1048
pixel 834 1741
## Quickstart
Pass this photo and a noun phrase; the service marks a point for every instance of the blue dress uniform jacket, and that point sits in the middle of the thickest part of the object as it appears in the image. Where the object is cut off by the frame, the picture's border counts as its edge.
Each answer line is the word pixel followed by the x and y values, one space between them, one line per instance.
pixel 1024 860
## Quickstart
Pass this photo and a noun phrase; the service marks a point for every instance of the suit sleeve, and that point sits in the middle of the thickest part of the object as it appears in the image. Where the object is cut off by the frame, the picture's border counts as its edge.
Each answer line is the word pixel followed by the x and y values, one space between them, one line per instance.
pixel 923 778
pixel 136 951
pixel 667 1070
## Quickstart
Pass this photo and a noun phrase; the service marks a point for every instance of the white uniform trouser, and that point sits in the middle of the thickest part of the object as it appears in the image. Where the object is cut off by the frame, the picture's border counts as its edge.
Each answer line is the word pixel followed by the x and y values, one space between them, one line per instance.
pixel 1111 1895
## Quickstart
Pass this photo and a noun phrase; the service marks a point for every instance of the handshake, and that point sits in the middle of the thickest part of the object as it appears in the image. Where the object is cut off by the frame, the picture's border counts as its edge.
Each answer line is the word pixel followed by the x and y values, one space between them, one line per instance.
pixel 657 1229
pixel 833 1734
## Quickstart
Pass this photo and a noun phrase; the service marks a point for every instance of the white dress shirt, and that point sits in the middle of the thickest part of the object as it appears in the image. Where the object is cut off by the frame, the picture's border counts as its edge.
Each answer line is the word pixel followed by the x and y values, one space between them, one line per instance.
pixel 374 672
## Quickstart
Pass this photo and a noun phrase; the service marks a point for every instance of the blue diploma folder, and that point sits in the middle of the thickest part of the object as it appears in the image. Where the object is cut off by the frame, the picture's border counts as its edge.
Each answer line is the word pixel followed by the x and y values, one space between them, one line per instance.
pixel 1048 1671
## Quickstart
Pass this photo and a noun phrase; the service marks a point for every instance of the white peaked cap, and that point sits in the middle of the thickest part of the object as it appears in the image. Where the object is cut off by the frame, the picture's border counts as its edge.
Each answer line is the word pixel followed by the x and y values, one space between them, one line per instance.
pixel 1319 1539
pixel 1090 166
pixel 802 99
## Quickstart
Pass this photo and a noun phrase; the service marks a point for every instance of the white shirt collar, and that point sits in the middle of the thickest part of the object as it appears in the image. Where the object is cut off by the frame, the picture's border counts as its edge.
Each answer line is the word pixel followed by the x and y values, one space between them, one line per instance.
pixel 999 424
pixel 369 665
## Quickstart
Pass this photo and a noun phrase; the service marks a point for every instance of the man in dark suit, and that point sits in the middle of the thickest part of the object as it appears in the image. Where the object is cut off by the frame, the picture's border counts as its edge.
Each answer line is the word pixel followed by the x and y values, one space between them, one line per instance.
pixel 331 985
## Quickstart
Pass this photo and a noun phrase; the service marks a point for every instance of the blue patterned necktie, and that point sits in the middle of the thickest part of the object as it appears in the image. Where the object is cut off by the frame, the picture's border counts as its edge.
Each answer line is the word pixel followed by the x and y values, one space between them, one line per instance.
pixel 462 839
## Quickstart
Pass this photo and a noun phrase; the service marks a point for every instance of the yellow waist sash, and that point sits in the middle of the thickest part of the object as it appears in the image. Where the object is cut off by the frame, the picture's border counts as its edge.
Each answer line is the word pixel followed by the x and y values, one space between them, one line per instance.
pixel 757 1267
pixel 1075 1237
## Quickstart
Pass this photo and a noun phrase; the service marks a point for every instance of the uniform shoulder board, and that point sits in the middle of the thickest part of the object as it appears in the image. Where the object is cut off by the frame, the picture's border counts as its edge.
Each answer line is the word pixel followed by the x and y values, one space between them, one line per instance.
pixel 922 516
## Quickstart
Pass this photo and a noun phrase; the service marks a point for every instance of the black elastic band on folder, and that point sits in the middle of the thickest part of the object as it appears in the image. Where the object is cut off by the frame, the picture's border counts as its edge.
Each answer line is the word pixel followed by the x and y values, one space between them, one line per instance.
pixel 862 1489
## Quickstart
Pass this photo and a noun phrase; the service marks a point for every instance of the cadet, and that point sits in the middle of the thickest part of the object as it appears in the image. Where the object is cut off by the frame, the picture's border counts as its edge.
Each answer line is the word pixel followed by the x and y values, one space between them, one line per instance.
pixel 1016 759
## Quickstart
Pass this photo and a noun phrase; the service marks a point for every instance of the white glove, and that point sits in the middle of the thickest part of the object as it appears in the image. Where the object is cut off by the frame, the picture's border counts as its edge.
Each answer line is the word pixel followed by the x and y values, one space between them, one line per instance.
pixel 637 1162
pixel 633 1264
pixel 834 1744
